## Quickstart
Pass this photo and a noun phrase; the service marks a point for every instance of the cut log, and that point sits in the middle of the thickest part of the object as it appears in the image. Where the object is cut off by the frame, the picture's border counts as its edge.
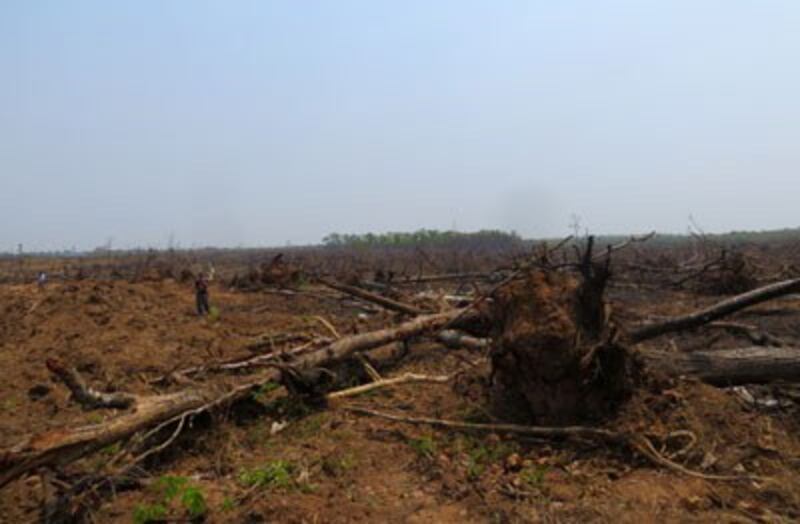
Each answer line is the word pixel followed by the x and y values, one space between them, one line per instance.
pixel 61 446
pixel 730 367
pixel 363 294
pixel 84 395
pixel 715 312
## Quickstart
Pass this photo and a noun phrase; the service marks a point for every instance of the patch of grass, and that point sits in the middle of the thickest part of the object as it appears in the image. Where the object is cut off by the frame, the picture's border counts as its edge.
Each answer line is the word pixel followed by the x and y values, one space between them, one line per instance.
pixel 176 493
pixel 425 446
pixel 273 475
pixel 338 465
pixel 482 452
pixel 170 486
pixel 144 513
pixel 194 502
pixel 309 426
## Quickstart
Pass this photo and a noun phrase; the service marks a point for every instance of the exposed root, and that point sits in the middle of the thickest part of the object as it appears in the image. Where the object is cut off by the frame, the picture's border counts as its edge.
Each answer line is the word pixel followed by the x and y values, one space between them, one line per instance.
pixel 643 445
pixel 535 431
pixel 636 442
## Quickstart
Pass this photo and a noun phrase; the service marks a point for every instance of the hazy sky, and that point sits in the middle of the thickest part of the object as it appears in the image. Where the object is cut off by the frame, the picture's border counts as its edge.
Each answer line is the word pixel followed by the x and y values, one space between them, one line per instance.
pixel 256 123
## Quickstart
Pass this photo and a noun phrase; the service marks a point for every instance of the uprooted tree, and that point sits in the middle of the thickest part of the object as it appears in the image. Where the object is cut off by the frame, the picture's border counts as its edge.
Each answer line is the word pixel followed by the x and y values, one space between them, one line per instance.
pixel 555 357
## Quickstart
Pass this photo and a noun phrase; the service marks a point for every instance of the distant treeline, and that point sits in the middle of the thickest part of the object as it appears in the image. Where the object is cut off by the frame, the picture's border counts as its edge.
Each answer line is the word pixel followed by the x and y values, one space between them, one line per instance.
pixel 426 237
pixel 487 239
pixel 733 238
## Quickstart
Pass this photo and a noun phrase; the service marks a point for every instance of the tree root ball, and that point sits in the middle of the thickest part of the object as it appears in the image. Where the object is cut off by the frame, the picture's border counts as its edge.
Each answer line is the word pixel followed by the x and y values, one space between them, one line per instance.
pixel 548 367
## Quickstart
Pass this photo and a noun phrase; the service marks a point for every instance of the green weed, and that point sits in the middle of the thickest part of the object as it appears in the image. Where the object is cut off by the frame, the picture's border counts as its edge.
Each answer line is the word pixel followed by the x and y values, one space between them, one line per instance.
pixel 194 502
pixel 144 513
pixel 228 504
pixel 172 489
pixel 338 465
pixel 424 446
pixel 533 476
pixel 273 475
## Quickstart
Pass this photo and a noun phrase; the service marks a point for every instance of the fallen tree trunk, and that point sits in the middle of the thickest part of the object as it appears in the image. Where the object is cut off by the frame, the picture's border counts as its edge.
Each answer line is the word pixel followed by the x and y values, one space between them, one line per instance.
pixel 730 367
pixel 715 312
pixel 444 278
pixel 722 367
pixel 363 294
pixel 62 446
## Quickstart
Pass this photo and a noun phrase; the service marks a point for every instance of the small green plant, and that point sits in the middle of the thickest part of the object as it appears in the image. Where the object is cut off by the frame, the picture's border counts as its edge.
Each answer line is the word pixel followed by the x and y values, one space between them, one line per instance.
pixel 228 504
pixel 274 475
pixel 172 488
pixel 260 394
pixel 475 466
pixel 144 513
pixel 337 465
pixel 533 476
pixel 194 502
pixel 112 450
pixel 425 446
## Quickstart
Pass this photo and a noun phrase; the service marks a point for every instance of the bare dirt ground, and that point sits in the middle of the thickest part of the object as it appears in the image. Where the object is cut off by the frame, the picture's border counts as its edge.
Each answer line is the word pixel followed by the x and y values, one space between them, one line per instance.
pixel 272 459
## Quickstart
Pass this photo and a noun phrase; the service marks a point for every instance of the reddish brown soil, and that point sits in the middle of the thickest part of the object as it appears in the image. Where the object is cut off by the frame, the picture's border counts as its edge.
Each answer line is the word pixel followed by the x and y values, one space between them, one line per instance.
pixel 348 468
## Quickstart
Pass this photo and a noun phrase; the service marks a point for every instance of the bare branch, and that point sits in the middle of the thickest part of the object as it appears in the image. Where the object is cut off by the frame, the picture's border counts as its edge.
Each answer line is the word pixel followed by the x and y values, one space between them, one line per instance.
pixel 715 312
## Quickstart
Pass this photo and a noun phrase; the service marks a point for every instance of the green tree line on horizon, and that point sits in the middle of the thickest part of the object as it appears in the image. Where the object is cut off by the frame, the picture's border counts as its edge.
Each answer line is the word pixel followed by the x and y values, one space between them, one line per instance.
pixel 423 237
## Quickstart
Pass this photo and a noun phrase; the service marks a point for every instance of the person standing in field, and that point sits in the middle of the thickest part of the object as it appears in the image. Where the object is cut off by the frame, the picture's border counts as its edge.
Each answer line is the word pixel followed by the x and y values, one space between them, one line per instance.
pixel 201 294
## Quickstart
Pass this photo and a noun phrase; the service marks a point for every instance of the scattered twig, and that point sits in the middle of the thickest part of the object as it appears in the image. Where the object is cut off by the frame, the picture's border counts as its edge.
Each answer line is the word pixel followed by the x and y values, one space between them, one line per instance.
pixel 322 320
pixel 405 378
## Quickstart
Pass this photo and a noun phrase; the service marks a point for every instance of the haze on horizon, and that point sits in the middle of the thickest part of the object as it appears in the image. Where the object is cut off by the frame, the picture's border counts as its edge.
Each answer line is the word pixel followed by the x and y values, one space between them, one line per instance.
pixel 257 123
